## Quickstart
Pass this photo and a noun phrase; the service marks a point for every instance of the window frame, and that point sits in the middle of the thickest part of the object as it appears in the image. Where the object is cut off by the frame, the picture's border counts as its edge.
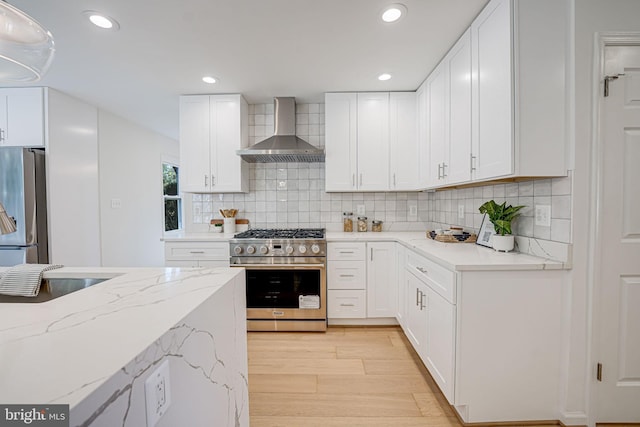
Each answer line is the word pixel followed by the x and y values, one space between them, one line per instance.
pixel 172 162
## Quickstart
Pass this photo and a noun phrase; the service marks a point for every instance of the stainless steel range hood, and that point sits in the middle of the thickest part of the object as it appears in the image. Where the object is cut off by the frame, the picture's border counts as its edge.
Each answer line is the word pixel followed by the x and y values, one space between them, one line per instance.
pixel 284 145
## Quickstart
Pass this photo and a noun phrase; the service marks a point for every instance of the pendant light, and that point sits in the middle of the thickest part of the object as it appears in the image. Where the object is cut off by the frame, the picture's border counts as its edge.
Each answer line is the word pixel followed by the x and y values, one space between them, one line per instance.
pixel 26 47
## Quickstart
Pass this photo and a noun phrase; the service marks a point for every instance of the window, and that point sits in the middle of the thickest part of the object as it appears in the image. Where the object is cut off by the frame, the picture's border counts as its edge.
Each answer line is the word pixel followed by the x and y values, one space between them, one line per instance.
pixel 172 200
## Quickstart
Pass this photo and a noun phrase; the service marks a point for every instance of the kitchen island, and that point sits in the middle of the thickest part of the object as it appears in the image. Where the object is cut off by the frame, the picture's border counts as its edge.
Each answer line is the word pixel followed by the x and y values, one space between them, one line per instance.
pixel 94 349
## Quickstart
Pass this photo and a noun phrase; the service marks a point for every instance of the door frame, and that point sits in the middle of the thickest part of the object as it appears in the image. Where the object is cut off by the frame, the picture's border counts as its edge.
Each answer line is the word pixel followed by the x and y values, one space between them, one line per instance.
pixel 601 42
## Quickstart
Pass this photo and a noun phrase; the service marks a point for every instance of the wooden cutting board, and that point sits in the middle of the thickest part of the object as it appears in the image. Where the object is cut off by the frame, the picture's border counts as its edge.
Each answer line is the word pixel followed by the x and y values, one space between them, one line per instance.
pixel 238 221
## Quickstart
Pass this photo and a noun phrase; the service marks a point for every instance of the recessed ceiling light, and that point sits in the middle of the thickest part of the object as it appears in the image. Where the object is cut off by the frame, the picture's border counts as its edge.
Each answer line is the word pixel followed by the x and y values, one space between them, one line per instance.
pixel 384 76
pixel 100 20
pixel 393 12
pixel 209 79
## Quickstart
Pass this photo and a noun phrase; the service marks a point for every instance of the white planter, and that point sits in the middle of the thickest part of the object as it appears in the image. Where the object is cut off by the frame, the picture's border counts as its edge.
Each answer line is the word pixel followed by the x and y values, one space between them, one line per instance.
pixel 502 243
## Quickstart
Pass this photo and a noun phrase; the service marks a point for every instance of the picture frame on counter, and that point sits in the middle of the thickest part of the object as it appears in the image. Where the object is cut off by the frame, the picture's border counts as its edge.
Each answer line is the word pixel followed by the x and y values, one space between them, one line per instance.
pixel 485 233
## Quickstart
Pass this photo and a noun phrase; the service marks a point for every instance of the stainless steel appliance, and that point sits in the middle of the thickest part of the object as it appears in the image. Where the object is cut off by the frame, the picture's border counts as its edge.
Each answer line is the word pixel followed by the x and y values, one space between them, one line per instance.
pixel 286 278
pixel 24 197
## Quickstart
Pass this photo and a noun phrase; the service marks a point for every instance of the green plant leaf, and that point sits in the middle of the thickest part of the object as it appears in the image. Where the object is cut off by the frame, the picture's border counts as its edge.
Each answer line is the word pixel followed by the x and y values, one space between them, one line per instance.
pixel 500 215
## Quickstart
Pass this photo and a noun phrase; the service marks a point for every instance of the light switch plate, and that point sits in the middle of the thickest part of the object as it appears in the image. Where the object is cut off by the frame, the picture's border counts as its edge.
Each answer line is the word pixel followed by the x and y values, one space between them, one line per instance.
pixel 413 210
pixel 157 391
pixel 543 215
pixel 116 203
pixel 460 211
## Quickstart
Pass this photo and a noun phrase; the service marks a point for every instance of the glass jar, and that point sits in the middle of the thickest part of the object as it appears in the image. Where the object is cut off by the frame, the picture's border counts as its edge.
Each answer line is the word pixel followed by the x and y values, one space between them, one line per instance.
pixel 362 223
pixel 347 222
pixel 376 226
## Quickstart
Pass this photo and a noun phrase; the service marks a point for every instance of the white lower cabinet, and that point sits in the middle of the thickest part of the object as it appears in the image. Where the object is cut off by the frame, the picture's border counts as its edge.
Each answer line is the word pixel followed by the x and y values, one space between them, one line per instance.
pixel 196 254
pixel 491 340
pixel 346 304
pixel 346 280
pixel 382 280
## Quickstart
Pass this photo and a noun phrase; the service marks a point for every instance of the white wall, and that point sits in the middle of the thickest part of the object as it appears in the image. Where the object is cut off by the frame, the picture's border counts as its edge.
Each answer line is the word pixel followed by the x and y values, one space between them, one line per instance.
pixel 591 16
pixel 72 181
pixel 131 171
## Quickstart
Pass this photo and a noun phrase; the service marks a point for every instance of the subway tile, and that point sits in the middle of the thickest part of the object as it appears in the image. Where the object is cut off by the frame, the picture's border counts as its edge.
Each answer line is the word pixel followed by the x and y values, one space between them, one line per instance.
pixel 561 230
pixel 524 189
pixel 561 207
pixel 561 186
pixel 542 187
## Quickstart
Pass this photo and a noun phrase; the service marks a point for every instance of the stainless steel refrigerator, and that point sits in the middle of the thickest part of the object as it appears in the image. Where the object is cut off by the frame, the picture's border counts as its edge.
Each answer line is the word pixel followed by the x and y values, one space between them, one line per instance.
pixel 24 196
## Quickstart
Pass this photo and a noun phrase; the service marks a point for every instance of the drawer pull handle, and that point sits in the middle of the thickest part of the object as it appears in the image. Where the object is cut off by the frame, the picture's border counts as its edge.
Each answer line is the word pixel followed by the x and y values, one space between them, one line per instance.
pixel 196 252
pixel 347 305
pixel 422 270
pixel 346 275
pixel 346 252
pixel 417 296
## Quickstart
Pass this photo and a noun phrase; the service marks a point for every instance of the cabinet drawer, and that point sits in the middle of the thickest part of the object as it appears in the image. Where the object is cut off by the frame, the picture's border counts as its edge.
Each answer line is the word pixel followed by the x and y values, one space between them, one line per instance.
pixel 440 279
pixel 343 304
pixel 346 251
pixel 346 275
pixel 196 250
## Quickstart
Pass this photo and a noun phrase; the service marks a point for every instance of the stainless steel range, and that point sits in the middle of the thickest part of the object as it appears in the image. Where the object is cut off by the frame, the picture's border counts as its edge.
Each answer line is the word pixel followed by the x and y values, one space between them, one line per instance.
pixel 286 278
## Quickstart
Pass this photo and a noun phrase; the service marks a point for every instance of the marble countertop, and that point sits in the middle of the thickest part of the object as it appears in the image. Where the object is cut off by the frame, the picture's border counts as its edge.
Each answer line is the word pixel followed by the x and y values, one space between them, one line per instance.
pixel 455 256
pixel 61 350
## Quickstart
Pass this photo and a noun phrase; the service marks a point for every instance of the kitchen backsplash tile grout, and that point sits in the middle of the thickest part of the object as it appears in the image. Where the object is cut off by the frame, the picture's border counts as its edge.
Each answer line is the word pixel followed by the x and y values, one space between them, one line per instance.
pixel 289 195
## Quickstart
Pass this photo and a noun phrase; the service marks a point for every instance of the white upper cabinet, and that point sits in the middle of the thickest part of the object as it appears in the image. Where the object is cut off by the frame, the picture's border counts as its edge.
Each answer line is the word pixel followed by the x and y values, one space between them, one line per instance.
pixel 22 112
pixel 456 167
pixel 370 142
pixel 422 119
pixel 341 143
pixel 212 128
pixel 373 141
pixel 519 89
pixel 403 144
pixel 438 129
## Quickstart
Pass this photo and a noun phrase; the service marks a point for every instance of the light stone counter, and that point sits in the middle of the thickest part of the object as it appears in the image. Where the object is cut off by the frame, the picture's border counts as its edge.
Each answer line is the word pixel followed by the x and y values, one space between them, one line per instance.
pixel 455 256
pixel 94 348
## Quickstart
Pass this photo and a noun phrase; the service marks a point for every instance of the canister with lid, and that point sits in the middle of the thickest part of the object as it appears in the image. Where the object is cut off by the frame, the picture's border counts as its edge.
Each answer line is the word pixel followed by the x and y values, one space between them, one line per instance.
pixel 376 226
pixel 347 222
pixel 362 223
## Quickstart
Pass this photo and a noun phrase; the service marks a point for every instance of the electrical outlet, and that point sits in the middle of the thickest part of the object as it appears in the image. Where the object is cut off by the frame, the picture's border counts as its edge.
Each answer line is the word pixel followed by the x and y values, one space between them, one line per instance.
pixel 413 210
pixel 116 203
pixel 360 210
pixel 157 390
pixel 543 215
pixel 460 211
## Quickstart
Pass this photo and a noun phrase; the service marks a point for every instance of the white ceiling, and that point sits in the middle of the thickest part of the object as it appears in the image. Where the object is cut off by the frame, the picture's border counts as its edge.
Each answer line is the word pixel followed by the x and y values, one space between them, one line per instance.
pixel 260 48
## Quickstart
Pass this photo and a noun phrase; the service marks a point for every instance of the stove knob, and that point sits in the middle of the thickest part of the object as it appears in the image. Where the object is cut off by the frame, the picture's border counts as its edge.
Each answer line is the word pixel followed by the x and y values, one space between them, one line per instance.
pixel 264 250
pixel 302 249
pixel 289 250
pixel 315 249
pixel 251 249
pixel 237 250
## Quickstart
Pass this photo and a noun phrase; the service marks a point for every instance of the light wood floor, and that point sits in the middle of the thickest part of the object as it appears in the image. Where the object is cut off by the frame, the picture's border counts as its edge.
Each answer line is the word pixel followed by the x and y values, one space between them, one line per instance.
pixel 356 377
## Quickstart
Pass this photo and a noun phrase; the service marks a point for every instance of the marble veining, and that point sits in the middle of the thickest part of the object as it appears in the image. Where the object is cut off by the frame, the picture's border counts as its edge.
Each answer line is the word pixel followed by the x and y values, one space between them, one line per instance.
pixel 94 348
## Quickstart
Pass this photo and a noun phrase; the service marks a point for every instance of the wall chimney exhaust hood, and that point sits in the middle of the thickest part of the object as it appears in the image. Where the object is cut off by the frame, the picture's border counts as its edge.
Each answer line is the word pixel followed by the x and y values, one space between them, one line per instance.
pixel 284 145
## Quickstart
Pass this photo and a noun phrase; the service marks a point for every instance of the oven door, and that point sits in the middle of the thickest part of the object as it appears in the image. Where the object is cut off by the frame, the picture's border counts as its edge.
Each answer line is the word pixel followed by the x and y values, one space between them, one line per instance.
pixel 286 297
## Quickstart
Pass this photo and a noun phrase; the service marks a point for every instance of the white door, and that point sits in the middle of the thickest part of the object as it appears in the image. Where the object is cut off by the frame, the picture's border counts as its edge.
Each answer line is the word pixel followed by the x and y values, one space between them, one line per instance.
pixel 440 345
pixel 382 291
pixel 373 141
pixel 194 144
pixel 24 114
pixel 403 141
pixel 438 119
pixel 618 263
pixel 340 141
pixel 226 172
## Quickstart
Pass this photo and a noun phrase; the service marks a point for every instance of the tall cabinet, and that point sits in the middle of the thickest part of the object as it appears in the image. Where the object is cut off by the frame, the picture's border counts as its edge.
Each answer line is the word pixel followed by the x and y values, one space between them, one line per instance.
pixel 212 128
pixel 22 117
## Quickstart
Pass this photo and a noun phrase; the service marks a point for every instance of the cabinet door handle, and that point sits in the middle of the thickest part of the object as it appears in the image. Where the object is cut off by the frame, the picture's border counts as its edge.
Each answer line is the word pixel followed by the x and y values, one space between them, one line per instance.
pixel 422 303
pixel 2 137
pixel 206 180
pixel 473 162
pixel 347 305
pixel 444 173
pixel 353 180
pixel 371 254
pixel 439 171
pixel 360 180
pixel 346 252
pixel 196 252
pixel 346 275
pixel 213 180
pixel 417 296
pixel 394 179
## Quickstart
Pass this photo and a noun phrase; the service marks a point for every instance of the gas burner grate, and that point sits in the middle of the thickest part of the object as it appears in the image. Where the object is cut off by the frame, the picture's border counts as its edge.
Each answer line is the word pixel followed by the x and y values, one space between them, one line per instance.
pixel 284 233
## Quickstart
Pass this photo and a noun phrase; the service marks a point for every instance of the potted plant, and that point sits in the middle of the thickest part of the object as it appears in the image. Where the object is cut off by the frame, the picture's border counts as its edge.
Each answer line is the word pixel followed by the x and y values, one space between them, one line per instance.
pixel 501 217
